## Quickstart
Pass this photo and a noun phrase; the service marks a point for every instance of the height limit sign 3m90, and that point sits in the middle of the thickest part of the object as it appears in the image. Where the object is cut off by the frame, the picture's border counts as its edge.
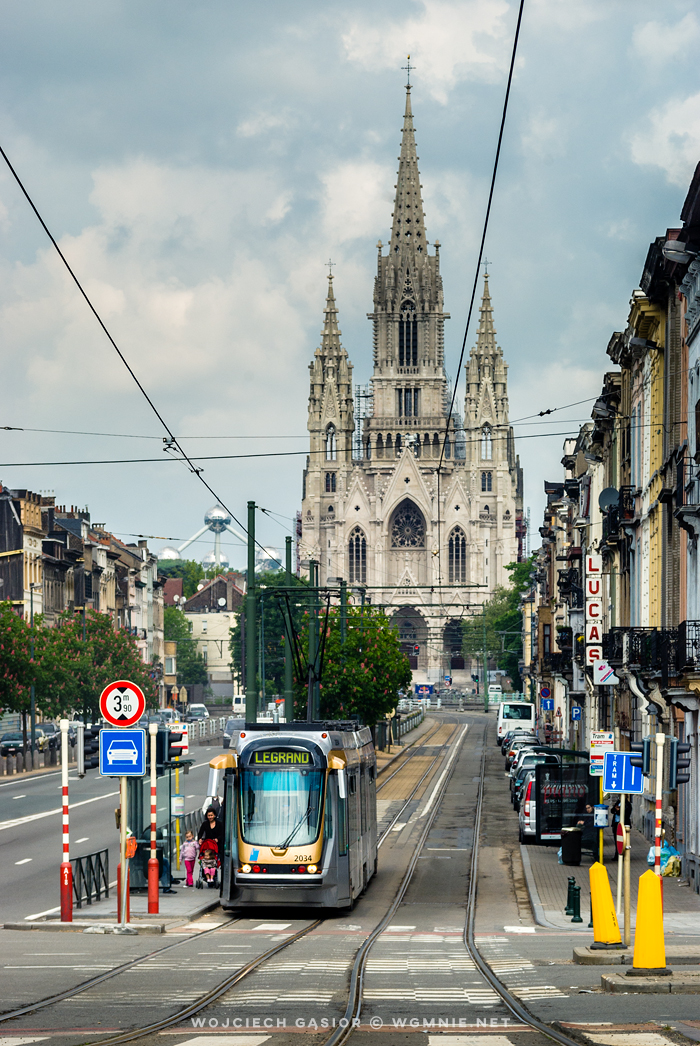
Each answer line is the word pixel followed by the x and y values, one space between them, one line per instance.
pixel 122 703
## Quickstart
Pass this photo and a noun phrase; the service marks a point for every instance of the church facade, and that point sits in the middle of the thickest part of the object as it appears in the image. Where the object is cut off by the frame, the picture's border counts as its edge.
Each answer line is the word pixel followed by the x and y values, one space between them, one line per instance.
pixel 419 509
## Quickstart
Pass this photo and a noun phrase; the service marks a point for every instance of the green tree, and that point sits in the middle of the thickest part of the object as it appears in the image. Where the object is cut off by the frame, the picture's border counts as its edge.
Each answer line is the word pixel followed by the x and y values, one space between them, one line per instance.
pixel 503 619
pixel 71 673
pixel 363 676
pixel 189 570
pixel 274 607
pixel 190 663
pixel 16 668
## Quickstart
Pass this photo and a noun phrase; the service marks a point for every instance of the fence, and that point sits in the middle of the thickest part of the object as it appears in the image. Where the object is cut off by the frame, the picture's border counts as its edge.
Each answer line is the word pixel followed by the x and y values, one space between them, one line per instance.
pixel 90 877
pixel 206 728
pixel 406 723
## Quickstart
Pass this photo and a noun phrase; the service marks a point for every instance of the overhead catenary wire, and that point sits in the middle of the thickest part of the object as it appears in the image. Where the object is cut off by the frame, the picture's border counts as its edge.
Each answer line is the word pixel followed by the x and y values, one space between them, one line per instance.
pixel 231 457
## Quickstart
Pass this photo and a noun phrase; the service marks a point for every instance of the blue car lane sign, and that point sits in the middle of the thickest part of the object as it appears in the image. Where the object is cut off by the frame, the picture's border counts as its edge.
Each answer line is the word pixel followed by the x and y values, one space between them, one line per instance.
pixel 620 776
pixel 122 753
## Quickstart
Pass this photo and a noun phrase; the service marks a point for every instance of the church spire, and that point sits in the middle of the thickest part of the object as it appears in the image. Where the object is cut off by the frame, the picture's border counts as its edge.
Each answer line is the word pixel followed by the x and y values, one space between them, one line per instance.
pixel 408 231
pixel 486 334
pixel 330 335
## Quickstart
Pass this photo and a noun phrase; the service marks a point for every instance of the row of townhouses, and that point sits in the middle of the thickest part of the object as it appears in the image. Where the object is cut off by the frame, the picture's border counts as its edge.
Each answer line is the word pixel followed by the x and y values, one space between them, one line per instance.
pixel 621 652
pixel 53 560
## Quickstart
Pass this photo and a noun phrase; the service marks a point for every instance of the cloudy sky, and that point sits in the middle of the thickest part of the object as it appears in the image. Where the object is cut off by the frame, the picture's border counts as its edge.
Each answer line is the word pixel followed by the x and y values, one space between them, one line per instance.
pixel 199 162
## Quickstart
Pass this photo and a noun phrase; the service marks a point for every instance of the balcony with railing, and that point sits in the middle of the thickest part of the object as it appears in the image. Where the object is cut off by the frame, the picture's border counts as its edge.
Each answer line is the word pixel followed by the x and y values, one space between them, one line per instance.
pixel 557 663
pixel 653 651
pixel 688 648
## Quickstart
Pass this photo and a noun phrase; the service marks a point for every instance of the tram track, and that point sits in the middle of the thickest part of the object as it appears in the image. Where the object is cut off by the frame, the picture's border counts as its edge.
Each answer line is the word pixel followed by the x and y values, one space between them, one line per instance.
pixel 350 1022
pixel 413 751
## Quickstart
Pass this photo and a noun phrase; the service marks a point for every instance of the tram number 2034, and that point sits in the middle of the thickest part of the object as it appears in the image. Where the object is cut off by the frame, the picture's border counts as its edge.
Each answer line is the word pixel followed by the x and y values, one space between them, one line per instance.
pixel 306 858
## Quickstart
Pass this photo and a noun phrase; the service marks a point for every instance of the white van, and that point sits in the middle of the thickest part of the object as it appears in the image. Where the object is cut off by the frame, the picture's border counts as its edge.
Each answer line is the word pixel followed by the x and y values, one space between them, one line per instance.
pixel 495 693
pixel 512 715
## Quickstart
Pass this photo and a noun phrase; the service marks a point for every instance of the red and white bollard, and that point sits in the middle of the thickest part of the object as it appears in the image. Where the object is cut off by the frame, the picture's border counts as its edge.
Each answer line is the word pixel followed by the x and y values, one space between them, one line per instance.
pixel 66 870
pixel 153 875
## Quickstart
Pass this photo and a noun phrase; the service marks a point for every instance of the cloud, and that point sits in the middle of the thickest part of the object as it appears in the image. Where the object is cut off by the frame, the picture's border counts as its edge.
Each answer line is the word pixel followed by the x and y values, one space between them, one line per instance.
pixel 671 139
pixel 657 43
pixel 450 42
pixel 357 200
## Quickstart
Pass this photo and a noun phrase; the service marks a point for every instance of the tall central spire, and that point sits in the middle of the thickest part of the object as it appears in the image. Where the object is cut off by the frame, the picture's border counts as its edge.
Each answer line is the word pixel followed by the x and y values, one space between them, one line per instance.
pixel 408 231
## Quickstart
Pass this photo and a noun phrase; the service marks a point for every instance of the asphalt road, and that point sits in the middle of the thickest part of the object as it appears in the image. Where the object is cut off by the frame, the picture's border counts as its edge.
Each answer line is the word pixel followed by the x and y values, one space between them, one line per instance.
pixel 30 830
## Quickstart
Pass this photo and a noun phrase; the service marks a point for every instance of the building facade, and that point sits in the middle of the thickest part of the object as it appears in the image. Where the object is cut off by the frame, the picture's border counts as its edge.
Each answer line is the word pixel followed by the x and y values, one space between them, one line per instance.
pixel 419 509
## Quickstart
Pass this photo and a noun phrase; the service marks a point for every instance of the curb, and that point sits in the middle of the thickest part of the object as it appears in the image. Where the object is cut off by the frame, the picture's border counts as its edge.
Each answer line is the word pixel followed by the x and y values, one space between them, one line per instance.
pixel 78 927
pixel 538 909
pixel 396 755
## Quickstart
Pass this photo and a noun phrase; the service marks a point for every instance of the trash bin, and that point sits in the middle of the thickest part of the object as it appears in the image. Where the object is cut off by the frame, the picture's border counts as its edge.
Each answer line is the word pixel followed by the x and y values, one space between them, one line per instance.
pixel 571 845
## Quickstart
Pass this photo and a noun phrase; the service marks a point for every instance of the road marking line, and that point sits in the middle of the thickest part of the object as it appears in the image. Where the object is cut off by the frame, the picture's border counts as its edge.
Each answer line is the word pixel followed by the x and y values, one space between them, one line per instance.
pixel 83 840
pixel 444 773
pixel 40 915
pixel 19 797
pixel 25 860
pixel 49 813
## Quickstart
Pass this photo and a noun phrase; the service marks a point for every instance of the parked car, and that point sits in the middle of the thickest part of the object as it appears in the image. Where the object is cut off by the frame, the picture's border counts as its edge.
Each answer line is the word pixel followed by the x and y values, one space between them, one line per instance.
pixel 527 767
pixel 515 735
pixel 527 827
pixel 515 748
pixel 233 725
pixel 524 753
pixel 11 743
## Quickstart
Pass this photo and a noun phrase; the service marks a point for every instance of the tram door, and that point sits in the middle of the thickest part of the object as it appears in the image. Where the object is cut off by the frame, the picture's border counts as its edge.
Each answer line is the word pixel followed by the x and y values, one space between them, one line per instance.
pixel 354 826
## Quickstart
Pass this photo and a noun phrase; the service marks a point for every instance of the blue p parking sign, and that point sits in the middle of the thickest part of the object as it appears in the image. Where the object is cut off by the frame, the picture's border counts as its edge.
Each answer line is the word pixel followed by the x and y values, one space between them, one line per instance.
pixel 122 753
pixel 576 713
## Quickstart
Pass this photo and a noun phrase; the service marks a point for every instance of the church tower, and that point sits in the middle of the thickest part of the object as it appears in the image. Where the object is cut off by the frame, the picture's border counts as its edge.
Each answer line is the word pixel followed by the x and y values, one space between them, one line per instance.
pixel 409 384
pixel 423 517
pixel 330 423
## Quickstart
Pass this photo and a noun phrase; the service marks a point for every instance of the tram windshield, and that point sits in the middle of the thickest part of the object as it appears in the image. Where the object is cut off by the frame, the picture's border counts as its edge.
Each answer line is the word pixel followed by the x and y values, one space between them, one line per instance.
pixel 281 807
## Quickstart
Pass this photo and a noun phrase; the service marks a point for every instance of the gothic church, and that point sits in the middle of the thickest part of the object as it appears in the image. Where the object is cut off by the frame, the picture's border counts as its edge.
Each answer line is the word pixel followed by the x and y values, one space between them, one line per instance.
pixel 420 513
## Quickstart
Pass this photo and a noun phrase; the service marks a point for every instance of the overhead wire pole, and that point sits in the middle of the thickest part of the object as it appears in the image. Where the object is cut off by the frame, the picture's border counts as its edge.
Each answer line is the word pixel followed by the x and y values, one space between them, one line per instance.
pixel 251 696
pixel 288 653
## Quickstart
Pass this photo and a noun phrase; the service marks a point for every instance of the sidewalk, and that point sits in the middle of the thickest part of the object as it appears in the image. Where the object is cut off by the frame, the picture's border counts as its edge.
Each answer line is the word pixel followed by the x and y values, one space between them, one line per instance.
pixel 547 883
pixel 177 908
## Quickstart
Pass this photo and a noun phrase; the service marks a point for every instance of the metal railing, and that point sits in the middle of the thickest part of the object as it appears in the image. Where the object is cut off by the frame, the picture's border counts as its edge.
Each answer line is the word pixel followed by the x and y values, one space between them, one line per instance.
pixel 90 877
pixel 206 727
pixel 557 663
pixel 653 650
pixel 688 649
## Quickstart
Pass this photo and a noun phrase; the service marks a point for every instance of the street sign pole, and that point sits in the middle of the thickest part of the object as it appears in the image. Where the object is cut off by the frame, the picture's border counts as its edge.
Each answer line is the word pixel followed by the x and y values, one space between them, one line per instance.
pixel 620 857
pixel 628 864
pixel 153 859
pixel 123 885
pixel 66 870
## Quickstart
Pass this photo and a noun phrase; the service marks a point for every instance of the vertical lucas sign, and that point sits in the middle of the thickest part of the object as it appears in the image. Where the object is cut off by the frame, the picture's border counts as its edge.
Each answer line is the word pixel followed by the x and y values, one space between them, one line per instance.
pixel 593 582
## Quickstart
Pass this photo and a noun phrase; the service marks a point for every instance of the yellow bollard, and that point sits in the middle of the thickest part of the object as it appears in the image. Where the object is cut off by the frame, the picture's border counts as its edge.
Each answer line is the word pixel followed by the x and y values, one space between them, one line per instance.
pixel 649 948
pixel 606 932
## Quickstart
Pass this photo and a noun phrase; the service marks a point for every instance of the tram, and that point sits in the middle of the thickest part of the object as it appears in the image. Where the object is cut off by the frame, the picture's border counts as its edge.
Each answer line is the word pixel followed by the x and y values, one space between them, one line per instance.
pixel 299 813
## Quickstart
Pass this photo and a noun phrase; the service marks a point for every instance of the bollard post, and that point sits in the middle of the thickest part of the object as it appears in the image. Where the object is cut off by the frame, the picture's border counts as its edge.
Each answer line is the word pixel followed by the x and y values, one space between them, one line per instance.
pixel 569 910
pixel 153 859
pixel 649 948
pixel 590 906
pixel 66 870
pixel 576 903
pixel 606 931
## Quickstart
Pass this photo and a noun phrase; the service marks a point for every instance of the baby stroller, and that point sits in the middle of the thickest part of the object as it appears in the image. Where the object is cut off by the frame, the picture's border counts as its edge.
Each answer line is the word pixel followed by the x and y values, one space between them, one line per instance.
pixel 209 864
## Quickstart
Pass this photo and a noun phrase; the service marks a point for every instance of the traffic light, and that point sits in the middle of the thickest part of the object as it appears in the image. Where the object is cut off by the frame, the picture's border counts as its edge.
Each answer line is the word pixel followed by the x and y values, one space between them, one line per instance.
pixel 416 648
pixel 177 743
pixel 678 764
pixel 475 679
pixel 92 747
pixel 643 761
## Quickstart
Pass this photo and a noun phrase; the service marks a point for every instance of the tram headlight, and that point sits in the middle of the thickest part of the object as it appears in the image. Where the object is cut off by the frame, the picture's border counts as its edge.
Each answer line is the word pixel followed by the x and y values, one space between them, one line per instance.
pixel 245 868
pixel 311 869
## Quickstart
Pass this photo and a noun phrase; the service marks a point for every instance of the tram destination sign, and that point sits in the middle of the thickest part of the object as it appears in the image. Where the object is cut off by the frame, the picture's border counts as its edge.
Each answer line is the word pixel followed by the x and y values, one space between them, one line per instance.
pixel 280 757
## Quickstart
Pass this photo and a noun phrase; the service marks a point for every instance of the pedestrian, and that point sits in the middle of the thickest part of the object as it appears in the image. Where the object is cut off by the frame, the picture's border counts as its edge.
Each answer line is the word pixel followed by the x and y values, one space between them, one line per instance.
pixel 211 828
pixel 188 854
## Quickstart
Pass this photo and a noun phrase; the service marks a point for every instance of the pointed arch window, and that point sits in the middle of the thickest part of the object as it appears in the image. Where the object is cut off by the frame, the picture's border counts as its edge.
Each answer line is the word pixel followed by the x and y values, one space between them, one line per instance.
pixel 457 557
pixel 486 443
pixel 407 527
pixel 330 483
pixel 331 444
pixel 397 445
pixel 408 335
pixel 380 446
pixel 487 481
pixel 357 556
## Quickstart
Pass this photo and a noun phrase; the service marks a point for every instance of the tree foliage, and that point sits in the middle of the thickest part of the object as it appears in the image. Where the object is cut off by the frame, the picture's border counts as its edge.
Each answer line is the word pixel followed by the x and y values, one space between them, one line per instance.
pixel 189 570
pixel 69 673
pixel 191 667
pixel 362 677
pixel 503 620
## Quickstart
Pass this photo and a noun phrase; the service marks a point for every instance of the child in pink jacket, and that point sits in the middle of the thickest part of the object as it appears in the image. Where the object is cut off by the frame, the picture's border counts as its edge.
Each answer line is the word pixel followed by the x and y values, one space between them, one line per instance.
pixel 188 854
